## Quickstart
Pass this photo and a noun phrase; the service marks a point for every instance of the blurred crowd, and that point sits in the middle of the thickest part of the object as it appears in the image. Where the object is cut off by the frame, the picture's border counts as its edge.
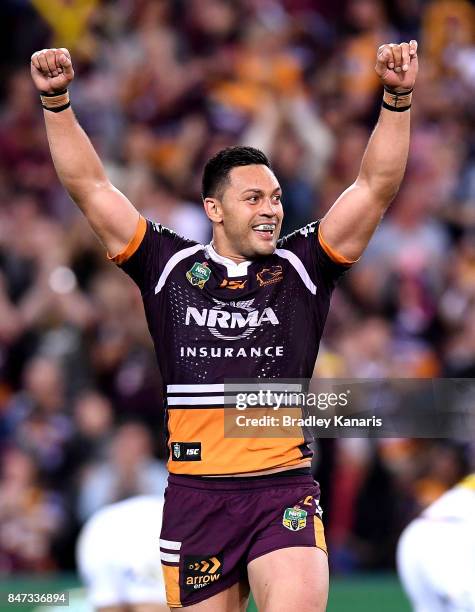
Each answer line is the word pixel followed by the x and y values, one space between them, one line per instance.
pixel 160 86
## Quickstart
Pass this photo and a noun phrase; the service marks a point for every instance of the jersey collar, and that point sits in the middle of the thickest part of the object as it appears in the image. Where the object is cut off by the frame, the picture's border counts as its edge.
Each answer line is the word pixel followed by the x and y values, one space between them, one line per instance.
pixel 233 269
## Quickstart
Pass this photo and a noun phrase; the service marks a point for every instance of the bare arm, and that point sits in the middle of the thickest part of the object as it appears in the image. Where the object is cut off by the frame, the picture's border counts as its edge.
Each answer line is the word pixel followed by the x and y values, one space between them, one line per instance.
pixel 352 220
pixel 109 212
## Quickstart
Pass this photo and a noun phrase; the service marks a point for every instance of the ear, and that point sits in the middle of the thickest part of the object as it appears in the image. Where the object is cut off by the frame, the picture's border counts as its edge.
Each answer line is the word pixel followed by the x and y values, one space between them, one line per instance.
pixel 213 209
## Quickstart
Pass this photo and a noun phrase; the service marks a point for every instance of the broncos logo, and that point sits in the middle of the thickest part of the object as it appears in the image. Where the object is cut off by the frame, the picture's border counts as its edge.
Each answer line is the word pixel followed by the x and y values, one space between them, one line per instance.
pixel 269 276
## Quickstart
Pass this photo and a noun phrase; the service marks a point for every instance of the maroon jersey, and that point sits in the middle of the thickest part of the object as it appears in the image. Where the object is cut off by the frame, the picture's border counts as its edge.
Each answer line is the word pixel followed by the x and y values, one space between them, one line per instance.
pixel 212 319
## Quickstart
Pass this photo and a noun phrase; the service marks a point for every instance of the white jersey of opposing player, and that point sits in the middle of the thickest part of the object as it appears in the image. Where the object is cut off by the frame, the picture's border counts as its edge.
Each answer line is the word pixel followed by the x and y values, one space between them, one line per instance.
pixel 457 504
pixel 436 553
pixel 118 553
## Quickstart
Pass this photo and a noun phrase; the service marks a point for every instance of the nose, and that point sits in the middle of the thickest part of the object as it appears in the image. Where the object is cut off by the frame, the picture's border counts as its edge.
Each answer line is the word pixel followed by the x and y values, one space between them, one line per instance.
pixel 268 208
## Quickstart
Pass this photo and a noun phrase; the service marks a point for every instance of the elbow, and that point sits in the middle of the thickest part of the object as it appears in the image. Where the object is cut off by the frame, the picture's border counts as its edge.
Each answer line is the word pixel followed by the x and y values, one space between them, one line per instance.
pixel 388 195
pixel 80 190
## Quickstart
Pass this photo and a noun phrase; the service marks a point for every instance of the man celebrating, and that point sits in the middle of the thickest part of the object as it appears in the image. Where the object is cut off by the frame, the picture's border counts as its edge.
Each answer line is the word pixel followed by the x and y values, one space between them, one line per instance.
pixel 238 511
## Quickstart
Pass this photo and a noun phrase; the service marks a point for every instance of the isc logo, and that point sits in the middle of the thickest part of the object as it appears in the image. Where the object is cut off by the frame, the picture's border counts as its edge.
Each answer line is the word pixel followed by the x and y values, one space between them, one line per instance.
pixel 186 451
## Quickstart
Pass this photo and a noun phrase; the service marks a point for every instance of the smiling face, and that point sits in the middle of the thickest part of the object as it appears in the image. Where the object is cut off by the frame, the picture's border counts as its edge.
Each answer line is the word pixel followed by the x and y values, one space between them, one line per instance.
pixel 247 217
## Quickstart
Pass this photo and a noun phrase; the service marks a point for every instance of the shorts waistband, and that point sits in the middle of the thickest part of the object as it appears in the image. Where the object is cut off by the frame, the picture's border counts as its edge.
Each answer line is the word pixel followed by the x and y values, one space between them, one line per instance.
pixel 243 483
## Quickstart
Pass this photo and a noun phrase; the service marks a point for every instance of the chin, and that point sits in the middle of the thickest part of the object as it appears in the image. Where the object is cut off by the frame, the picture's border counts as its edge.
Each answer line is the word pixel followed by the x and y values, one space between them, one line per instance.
pixel 263 249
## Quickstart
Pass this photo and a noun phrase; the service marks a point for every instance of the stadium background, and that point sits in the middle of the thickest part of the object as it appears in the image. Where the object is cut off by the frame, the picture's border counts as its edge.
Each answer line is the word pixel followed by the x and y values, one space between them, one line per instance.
pixel 160 85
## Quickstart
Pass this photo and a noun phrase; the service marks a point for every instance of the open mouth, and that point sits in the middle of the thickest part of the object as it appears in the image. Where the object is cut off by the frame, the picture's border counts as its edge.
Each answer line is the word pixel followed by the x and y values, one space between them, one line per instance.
pixel 265 230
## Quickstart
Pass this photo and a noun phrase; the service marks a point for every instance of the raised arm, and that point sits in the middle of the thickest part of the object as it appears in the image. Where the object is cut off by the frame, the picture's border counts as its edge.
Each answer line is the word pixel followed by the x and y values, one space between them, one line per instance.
pixel 351 221
pixel 109 212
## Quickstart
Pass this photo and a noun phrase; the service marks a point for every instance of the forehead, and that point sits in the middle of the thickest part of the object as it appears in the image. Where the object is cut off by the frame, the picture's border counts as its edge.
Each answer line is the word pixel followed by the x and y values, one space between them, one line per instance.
pixel 255 176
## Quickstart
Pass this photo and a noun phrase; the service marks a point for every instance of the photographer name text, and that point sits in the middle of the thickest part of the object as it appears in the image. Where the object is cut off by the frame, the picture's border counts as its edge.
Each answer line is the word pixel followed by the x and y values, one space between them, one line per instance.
pixel 285 420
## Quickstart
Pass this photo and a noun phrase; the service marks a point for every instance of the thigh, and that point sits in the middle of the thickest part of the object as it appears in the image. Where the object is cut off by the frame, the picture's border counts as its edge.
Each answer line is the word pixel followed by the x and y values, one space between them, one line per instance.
pixel 287 562
pixel 234 599
pixel 290 579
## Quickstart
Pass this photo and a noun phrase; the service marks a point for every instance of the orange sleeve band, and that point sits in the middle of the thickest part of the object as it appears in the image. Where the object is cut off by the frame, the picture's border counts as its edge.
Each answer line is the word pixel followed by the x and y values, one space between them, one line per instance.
pixel 332 254
pixel 133 244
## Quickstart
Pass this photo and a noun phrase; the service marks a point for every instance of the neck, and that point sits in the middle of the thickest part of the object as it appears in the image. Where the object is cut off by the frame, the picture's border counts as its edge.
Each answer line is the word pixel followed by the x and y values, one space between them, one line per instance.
pixel 226 251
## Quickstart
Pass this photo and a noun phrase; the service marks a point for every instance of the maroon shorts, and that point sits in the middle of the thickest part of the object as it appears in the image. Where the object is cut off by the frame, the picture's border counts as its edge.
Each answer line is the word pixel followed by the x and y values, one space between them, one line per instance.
pixel 213 527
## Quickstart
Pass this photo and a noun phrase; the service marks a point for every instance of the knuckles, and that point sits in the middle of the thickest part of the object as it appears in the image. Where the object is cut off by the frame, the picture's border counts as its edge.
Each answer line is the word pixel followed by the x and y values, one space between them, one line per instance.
pixel 390 52
pixel 50 52
pixel 404 44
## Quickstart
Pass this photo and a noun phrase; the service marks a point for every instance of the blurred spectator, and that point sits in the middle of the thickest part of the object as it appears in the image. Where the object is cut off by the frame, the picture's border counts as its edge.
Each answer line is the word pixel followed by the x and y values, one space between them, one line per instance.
pixel 30 516
pixel 368 26
pixel 93 425
pixel 71 29
pixel 129 470
pixel 37 418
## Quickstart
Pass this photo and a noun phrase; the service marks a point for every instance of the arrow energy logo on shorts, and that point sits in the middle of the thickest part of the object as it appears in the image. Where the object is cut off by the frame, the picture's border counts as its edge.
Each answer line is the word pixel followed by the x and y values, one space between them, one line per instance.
pixel 201 571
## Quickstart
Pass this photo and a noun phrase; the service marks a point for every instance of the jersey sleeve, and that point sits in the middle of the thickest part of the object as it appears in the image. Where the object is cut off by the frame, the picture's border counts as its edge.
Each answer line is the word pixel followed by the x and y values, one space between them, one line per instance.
pixel 322 263
pixel 147 254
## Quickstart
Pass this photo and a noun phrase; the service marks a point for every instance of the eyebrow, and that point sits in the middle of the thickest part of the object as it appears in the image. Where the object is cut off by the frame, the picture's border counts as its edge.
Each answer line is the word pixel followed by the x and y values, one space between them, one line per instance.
pixel 260 191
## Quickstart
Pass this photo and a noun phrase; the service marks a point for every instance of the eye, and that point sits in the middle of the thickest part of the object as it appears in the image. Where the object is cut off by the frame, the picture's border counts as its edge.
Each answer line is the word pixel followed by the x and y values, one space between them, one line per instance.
pixel 278 197
pixel 252 199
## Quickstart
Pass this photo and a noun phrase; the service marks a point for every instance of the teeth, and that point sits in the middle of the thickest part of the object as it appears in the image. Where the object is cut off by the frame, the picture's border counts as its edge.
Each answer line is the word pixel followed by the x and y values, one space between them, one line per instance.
pixel 265 227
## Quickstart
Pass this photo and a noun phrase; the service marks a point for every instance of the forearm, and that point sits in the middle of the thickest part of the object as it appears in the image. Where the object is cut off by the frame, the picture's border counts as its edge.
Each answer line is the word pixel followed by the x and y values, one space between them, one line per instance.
pixel 77 164
pixel 351 221
pixel 110 214
pixel 384 162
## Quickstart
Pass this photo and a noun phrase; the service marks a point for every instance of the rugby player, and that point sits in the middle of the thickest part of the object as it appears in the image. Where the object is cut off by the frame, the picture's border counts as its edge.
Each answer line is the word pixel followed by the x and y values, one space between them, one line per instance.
pixel 118 556
pixel 238 511
pixel 436 553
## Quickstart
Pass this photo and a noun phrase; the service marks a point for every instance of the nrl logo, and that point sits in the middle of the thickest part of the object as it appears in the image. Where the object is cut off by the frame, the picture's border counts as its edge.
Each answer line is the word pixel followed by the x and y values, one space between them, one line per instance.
pixel 294 519
pixel 176 450
pixel 269 276
pixel 199 274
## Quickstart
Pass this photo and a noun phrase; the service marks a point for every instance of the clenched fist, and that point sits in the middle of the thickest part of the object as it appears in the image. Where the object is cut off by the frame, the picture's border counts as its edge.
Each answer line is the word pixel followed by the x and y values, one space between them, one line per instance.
pixel 52 70
pixel 397 65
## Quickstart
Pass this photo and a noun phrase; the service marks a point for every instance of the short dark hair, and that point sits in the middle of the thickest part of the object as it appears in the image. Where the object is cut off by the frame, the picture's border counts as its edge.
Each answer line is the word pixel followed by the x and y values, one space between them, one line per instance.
pixel 218 167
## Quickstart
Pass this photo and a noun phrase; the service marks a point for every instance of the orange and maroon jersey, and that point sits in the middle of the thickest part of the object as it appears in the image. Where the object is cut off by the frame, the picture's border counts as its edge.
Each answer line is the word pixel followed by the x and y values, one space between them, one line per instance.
pixel 212 319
